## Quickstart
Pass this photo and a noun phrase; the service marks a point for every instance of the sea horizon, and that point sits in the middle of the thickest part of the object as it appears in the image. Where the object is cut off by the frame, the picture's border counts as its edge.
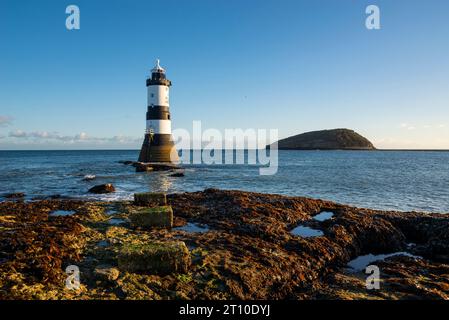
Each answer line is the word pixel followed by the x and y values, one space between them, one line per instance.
pixel 321 150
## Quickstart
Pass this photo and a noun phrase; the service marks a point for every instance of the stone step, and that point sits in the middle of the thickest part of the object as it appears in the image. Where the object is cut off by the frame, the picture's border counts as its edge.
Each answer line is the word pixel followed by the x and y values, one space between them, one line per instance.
pixel 158 217
pixel 155 258
pixel 148 199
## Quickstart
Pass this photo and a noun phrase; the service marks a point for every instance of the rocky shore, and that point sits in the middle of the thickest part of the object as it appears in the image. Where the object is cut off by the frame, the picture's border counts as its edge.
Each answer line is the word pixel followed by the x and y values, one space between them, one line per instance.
pixel 223 245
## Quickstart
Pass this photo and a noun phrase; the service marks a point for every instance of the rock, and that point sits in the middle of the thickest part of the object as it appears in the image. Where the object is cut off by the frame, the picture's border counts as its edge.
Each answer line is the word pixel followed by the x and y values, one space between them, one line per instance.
pixel 437 246
pixel 102 188
pixel 150 199
pixel 142 167
pixel 336 139
pixel 89 177
pixel 126 162
pixel 177 174
pixel 250 254
pixel 164 166
pixel 14 195
pixel 161 217
pixel 50 197
pixel 212 190
pixel 155 258
pixel 106 273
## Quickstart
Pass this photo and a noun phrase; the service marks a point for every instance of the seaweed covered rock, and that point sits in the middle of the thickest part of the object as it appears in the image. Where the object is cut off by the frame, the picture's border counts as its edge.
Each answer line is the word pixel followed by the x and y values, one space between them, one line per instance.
pixel 150 199
pixel 161 217
pixel 155 258
pixel 14 195
pixel 34 249
pixel 248 253
pixel 103 188
pixel 106 273
pixel 126 162
pixel 177 175
pixel 143 167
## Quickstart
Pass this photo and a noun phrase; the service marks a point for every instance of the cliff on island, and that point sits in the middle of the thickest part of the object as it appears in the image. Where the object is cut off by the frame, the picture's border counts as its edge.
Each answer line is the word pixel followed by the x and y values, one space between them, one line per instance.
pixel 219 244
pixel 335 139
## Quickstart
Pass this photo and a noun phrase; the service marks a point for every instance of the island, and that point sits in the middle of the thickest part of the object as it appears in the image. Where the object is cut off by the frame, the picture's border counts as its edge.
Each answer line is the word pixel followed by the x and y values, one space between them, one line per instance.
pixel 335 139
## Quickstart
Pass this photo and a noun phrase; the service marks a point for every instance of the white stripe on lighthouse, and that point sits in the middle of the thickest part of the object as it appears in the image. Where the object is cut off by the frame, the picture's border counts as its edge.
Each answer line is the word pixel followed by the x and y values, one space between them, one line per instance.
pixel 159 126
pixel 158 95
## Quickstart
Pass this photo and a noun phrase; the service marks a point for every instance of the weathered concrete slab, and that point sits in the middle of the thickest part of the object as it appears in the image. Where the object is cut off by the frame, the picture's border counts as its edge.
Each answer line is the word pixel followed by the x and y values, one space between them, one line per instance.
pixel 150 199
pixel 159 217
pixel 155 258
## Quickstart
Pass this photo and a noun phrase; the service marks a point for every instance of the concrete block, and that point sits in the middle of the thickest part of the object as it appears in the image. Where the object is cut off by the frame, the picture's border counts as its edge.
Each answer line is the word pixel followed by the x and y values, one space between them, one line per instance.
pixel 150 199
pixel 155 258
pixel 160 217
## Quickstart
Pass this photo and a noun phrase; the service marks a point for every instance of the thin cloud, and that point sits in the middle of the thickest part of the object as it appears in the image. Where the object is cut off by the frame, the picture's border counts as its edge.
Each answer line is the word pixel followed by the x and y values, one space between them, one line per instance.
pixel 77 138
pixel 18 134
pixel 408 126
pixel 5 121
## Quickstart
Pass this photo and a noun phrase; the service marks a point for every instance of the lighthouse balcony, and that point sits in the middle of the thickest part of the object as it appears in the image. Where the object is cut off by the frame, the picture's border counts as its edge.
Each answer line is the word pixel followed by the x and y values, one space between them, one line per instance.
pixel 158 82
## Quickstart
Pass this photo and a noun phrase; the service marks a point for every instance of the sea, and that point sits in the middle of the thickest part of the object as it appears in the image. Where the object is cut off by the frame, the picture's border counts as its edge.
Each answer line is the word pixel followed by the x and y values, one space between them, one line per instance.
pixel 386 180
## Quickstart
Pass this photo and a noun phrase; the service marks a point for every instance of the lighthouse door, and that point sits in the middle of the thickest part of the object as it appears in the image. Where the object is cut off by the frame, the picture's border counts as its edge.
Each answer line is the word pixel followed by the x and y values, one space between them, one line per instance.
pixel 151 133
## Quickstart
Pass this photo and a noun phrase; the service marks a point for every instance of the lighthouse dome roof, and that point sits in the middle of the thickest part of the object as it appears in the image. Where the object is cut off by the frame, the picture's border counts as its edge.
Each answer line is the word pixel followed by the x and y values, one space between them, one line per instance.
pixel 157 67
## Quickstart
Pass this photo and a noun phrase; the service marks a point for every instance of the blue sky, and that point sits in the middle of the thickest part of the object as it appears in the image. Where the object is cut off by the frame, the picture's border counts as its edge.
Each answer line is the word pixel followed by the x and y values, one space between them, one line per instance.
pixel 292 65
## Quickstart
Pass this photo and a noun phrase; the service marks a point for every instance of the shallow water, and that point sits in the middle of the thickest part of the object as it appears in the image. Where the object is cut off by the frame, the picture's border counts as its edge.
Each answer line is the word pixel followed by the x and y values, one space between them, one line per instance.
pixel 361 262
pixel 116 221
pixel 306 232
pixel 323 216
pixel 62 213
pixel 102 243
pixel 192 228
pixel 400 180
pixel 111 212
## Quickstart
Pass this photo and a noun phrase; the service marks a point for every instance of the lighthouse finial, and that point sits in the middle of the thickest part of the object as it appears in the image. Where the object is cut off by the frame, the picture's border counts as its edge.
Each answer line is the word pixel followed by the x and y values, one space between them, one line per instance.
pixel 157 67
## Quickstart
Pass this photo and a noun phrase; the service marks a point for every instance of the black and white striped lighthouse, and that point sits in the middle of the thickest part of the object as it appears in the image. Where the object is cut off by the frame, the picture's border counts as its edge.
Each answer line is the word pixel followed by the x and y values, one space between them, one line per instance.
pixel 158 145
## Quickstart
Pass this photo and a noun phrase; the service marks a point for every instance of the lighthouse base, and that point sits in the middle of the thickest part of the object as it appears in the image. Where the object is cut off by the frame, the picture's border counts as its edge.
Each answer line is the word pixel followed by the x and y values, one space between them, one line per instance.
pixel 158 148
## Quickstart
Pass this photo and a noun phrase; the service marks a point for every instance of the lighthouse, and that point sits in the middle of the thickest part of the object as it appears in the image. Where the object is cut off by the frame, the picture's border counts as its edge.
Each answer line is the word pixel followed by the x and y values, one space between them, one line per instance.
pixel 158 145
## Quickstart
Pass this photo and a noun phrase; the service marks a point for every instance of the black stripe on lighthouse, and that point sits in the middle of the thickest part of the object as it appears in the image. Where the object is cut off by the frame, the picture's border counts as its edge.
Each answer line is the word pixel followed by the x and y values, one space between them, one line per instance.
pixel 158 113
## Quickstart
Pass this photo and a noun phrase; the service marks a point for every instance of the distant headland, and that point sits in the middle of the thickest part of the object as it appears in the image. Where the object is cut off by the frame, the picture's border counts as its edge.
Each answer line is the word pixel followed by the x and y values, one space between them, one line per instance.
pixel 335 139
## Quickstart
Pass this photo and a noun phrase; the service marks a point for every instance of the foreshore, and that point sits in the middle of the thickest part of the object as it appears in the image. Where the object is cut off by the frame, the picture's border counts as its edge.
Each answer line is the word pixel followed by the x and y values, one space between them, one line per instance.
pixel 240 244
